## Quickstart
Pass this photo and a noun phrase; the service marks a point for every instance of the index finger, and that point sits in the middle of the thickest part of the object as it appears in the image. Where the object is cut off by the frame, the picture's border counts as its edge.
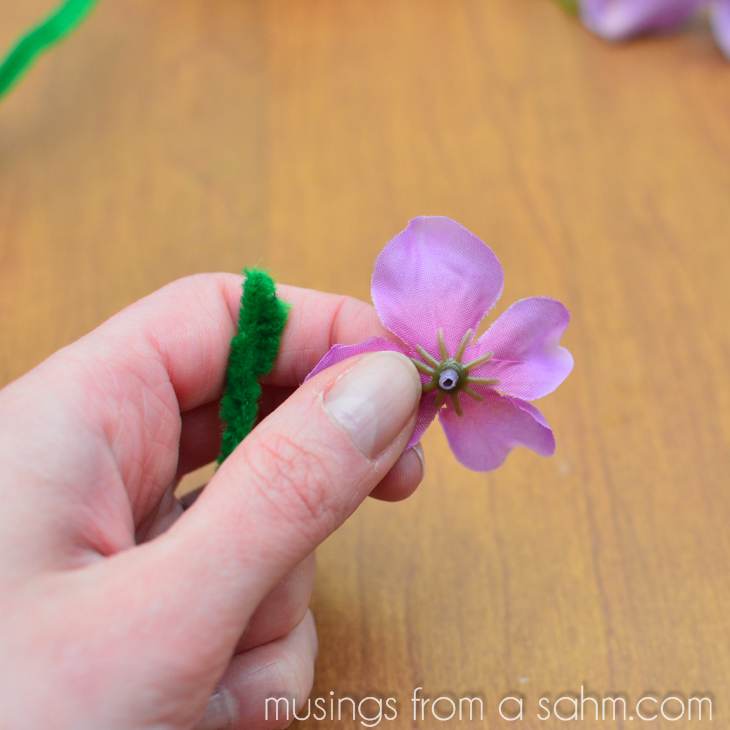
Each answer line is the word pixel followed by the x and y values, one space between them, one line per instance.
pixel 316 322
pixel 188 326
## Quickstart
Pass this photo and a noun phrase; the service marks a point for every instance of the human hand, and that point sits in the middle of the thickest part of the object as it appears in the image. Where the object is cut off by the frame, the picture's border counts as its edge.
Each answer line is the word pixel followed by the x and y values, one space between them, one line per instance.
pixel 117 609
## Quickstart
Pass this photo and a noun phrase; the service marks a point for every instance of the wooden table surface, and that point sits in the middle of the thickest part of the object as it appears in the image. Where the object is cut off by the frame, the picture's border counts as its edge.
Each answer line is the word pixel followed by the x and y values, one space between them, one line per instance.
pixel 167 138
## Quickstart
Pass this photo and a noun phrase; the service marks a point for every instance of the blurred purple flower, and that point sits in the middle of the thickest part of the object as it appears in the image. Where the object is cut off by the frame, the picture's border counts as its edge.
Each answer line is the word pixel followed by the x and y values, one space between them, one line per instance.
pixel 720 22
pixel 617 20
pixel 432 285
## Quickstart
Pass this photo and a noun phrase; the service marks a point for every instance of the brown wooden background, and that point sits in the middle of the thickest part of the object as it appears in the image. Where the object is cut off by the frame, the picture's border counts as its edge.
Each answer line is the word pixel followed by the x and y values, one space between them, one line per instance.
pixel 171 137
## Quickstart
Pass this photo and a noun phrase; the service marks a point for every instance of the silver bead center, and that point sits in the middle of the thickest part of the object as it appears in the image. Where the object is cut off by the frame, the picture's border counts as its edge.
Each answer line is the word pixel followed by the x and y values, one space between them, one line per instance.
pixel 448 379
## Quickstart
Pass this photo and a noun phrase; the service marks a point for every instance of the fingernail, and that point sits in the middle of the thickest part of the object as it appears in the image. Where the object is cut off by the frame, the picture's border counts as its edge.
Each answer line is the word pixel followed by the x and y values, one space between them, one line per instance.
pixel 374 401
pixel 419 453
pixel 220 712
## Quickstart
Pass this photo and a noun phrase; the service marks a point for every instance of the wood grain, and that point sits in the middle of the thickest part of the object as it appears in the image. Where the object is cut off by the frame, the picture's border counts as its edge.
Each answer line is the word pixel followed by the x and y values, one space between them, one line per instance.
pixel 169 138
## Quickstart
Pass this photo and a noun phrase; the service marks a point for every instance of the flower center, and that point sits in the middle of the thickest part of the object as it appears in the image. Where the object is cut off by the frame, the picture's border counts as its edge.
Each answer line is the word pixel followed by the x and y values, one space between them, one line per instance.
pixel 448 379
pixel 450 375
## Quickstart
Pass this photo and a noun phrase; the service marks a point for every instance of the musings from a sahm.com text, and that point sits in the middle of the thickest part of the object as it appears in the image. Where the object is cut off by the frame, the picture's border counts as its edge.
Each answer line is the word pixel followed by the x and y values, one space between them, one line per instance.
pixel 582 705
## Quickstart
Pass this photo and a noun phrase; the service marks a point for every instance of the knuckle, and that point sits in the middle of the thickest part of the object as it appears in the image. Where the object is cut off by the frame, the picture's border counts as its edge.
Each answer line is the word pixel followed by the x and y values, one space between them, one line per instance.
pixel 356 317
pixel 295 666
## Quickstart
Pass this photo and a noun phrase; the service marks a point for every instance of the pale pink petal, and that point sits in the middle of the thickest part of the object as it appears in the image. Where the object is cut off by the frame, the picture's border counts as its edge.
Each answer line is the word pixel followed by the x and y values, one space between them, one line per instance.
pixel 720 20
pixel 487 432
pixel 617 20
pixel 338 353
pixel 426 414
pixel 528 359
pixel 435 274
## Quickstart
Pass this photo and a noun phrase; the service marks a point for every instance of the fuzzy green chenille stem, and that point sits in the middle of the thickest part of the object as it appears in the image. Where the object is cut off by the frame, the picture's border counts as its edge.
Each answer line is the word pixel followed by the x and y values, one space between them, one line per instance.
pixel 53 29
pixel 261 321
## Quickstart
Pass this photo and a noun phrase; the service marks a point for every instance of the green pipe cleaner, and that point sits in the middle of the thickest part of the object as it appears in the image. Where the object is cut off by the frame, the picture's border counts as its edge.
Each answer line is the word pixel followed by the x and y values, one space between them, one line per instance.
pixel 261 321
pixel 62 21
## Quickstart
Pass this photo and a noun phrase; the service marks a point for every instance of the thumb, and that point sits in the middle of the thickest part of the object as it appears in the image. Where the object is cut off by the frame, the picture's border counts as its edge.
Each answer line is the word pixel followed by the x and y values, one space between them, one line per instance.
pixel 293 481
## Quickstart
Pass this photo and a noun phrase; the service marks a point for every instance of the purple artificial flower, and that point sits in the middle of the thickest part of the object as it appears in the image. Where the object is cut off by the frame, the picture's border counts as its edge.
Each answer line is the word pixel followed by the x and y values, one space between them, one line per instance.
pixel 720 22
pixel 432 285
pixel 617 20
